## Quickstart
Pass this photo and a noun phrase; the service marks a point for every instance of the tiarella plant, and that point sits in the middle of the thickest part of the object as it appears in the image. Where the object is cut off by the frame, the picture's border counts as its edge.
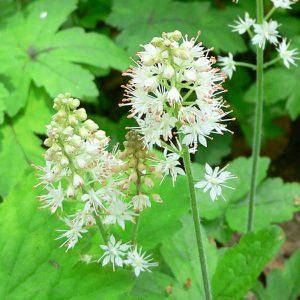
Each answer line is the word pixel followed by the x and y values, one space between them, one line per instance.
pixel 261 31
pixel 175 96
pixel 88 186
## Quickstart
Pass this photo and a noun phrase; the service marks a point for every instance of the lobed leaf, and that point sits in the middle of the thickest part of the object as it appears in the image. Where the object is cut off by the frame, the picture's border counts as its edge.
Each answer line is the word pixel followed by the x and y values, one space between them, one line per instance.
pixel 240 265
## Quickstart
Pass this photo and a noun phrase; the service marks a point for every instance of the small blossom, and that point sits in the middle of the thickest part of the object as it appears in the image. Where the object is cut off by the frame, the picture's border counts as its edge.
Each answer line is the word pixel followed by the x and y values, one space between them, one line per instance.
pixel 139 261
pixel 214 180
pixel 170 166
pixel 54 198
pixel 140 202
pixel 243 25
pixel 227 63
pixel 114 252
pixel 265 32
pixel 119 212
pixel 288 56
pixel 93 197
pixel 73 234
pixel 286 4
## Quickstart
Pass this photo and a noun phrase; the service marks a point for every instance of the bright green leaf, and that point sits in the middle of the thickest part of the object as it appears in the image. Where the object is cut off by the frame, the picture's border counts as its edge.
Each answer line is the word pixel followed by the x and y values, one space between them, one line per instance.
pixel 275 202
pixel 239 267
pixel 19 145
pixel 166 15
pixel 283 284
pixel 32 264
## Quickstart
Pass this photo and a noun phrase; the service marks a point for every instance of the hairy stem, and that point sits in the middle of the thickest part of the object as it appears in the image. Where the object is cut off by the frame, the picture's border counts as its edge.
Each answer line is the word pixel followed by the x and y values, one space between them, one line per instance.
pixel 197 221
pixel 101 228
pixel 258 120
pixel 137 219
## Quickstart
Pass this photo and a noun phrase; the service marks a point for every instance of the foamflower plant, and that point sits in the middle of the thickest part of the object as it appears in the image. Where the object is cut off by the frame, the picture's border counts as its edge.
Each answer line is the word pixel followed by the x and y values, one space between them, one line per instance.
pixel 87 186
pixel 175 96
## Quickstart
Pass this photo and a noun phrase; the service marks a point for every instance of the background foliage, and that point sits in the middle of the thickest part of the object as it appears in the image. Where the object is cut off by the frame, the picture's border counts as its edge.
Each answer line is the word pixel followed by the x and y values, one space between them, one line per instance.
pixel 82 46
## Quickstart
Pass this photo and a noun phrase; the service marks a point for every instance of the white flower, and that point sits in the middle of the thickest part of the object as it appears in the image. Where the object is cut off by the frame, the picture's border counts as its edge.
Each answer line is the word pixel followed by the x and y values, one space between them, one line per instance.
pixel 173 96
pixel 54 198
pixel 227 63
pixel 288 56
pixel 114 252
pixel 214 180
pixel 73 234
pixel 140 202
pixel 49 173
pixel 170 166
pixel 139 261
pixel 283 3
pixel 243 25
pixel 119 212
pixel 265 32
pixel 94 199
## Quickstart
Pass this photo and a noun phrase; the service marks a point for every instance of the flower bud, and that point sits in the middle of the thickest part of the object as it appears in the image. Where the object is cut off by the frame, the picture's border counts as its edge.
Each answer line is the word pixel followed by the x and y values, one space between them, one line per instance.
pixel 100 135
pixel 149 182
pixel 64 161
pixel 173 96
pixel 81 114
pixel 91 125
pixel 84 133
pixel 190 75
pixel 70 191
pixel 72 120
pixel 77 180
pixel 168 72
pixel 74 103
pixel 157 198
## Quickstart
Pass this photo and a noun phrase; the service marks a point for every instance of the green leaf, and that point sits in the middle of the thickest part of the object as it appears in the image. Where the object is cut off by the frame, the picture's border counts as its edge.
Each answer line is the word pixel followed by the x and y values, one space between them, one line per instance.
pixel 32 264
pixel 181 254
pixel 32 49
pixel 167 15
pixel 283 284
pixel 162 220
pixel 19 145
pixel 216 149
pixel 239 267
pixel 240 167
pixel 3 94
pixel 274 92
pixel 275 202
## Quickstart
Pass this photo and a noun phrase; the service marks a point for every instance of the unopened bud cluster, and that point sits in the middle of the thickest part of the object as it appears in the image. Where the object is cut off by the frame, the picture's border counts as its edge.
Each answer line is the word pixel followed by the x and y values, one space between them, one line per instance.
pixel 140 174
pixel 81 180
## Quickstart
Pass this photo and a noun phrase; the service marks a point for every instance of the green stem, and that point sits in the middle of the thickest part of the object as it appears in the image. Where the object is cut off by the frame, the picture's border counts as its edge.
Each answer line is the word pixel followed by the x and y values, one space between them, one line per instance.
pixel 137 219
pixel 196 218
pixel 101 228
pixel 244 64
pixel 272 62
pixel 258 120
pixel 270 13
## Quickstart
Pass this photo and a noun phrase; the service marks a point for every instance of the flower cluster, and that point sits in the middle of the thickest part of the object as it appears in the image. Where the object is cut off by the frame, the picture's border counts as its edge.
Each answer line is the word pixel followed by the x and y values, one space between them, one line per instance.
pixel 175 94
pixel 82 181
pixel 261 34
pixel 121 255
